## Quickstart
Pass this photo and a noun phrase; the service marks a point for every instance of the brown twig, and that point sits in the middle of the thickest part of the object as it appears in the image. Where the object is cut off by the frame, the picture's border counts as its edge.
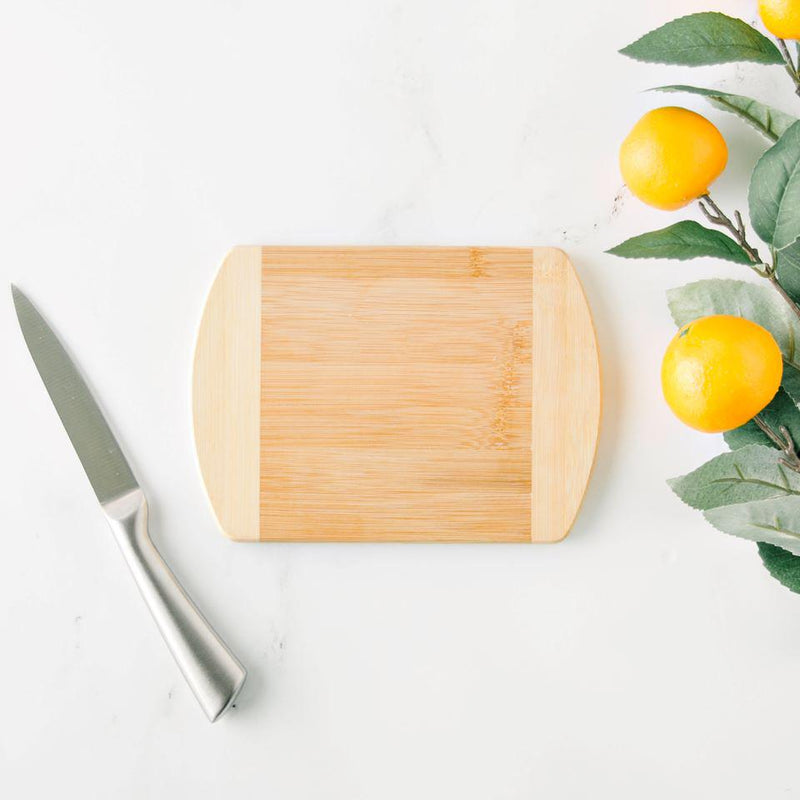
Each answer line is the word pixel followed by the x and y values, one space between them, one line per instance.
pixel 718 217
pixel 791 68
pixel 714 214
pixel 783 442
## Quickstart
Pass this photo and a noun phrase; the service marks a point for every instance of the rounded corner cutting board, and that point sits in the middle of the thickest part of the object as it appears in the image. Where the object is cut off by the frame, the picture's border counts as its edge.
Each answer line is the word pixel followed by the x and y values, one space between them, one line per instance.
pixel 446 394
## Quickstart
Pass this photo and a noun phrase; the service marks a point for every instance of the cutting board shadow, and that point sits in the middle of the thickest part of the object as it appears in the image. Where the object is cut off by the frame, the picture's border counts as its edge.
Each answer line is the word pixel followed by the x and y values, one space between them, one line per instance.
pixel 396 394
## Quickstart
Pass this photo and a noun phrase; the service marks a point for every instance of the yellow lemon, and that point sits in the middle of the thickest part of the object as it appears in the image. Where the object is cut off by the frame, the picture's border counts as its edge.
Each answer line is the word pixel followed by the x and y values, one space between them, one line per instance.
pixel 671 157
pixel 781 17
pixel 720 371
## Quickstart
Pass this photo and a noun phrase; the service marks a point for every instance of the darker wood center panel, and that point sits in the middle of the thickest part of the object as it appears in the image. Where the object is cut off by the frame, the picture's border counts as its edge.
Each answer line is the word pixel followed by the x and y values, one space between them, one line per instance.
pixel 396 390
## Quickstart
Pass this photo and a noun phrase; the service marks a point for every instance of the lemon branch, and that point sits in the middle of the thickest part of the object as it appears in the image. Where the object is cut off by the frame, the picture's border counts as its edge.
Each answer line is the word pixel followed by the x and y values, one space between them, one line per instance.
pixel 782 440
pixel 791 67
pixel 713 213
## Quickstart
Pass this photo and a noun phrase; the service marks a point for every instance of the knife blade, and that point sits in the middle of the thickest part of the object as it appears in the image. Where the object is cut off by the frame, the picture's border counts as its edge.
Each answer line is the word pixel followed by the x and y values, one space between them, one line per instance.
pixel 99 452
pixel 212 671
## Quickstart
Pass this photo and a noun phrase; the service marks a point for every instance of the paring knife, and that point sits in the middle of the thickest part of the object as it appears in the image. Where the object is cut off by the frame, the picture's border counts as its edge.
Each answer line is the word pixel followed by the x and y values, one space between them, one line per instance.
pixel 214 674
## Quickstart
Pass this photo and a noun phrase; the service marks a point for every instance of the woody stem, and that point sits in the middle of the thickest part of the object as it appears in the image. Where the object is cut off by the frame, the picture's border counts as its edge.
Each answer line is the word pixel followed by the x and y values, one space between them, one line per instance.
pixel 714 214
pixel 783 441
pixel 790 65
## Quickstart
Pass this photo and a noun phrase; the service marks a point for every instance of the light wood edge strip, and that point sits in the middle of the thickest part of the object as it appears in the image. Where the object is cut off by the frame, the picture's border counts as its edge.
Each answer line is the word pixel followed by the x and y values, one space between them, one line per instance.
pixel 566 403
pixel 226 393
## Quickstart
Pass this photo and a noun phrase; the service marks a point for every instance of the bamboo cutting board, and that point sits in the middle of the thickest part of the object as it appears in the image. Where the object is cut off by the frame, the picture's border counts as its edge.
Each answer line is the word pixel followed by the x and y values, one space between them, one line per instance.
pixel 396 394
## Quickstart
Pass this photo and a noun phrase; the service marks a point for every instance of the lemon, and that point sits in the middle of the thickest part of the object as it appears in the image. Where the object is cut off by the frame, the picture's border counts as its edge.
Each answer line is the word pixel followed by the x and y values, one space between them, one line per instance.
pixel 720 371
pixel 781 17
pixel 671 157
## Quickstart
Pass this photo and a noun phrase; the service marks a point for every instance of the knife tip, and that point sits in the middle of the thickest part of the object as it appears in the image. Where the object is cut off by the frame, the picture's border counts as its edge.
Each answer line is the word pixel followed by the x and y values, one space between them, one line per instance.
pixel 20 299
pixel 17 294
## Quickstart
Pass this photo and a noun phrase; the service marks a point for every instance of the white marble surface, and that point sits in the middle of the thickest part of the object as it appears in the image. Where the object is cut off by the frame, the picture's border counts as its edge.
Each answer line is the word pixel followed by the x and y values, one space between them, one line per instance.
pixel 646 656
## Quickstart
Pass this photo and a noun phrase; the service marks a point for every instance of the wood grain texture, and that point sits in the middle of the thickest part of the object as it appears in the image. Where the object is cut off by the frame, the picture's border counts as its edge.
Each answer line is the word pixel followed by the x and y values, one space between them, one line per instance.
pixel 403 394
pixel 566 400
pixel 226 393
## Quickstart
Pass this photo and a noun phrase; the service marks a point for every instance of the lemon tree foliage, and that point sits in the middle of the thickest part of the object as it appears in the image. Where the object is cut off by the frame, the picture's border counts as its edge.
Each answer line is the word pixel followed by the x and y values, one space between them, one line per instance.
pixel 705 38
pixel 749 492
pixel 781 564
pixel 775 521
pixel 787 263
pixel 754 472
pixel 752 491
pixel 791 384
pixel 682 241
pixel 768 121
pixel 774 195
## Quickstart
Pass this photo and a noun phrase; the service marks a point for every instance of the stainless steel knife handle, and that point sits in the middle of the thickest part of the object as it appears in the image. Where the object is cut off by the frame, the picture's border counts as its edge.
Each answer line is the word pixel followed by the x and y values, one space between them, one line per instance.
pixel 212 671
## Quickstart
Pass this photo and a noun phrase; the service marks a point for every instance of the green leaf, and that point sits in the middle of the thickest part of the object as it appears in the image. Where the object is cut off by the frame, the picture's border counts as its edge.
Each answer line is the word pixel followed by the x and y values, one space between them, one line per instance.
pixel 682 241
pixel 781 564
pixel 750 473
pixel 774 194
pixel 788 269
pixel 775 521
pixel 765 119
pixel 705 38
pixel 791 384
pixel 781 411
pixel 759 303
